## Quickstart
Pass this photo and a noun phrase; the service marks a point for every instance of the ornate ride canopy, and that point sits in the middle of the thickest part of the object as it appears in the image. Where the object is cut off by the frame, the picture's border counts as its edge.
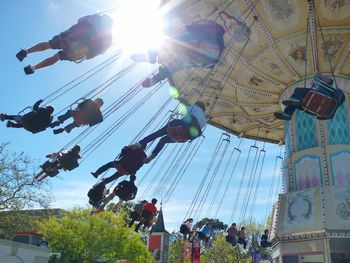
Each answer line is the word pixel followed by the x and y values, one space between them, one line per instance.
pixel 244 87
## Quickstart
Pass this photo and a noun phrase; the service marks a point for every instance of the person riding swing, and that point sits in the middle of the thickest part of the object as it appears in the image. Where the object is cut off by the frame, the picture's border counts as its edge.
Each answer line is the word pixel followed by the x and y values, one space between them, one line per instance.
pixel 37 120
pixel 264 239
pixel 91 36
pixel 148 213
pixel 321 100
pixel 186 228
pixel 136 214
pixel 128 162
pixel 125 190
pixel 61 160
pixel 88 112
pixel 96 194
pixel 178 130
pixel 204 233
pixel 232 233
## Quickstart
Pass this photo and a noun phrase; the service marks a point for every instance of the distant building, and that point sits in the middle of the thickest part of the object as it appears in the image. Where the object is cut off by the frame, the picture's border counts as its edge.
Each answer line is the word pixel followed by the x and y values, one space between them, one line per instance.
pixel 14 221
pixel 25 247
pixel 22 243
pixel 158 240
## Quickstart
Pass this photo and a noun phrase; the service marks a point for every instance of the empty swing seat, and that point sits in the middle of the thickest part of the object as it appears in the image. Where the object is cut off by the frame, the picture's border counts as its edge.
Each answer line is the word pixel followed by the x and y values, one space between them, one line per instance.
pixel 320 104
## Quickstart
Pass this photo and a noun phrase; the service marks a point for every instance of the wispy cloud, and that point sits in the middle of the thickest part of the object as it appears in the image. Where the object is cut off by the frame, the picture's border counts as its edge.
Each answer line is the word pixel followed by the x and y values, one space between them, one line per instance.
pixel 72 194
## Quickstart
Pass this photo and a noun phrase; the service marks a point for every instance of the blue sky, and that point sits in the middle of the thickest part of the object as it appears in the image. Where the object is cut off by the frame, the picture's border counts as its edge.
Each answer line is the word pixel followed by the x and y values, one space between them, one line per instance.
pixel 25 23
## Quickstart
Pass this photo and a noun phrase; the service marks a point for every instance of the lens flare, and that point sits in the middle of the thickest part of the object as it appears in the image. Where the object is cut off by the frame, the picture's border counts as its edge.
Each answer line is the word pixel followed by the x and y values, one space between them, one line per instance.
pixel 174 92
pixel 138 25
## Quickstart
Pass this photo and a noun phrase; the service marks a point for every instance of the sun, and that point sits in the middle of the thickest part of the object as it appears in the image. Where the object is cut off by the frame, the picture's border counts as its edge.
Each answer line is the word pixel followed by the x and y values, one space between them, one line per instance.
pixel 138 25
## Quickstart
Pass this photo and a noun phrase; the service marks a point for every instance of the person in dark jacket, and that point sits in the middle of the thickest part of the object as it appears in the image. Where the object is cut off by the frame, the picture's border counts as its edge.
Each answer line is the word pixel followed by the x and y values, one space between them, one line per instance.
pixel 264 239
pixel 321 84
pixel 130 160
pixel 136 214
pixel 37 120
pixel 61 160
pixel 232 233
pixel 186 228
pixel 91 36
pixel 96 194
pixel 125 190
pixel 148 214
pixel 88 112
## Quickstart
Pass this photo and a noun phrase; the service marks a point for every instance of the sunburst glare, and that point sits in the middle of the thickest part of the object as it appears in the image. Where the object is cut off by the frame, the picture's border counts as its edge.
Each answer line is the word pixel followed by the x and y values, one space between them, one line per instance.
pixel 138 25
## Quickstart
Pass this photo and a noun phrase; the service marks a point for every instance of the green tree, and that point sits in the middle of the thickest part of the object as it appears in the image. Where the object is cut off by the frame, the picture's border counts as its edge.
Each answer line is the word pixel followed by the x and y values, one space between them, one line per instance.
pixel 126 209
pixel 223 252
pixel 253 234
pixel 24 220
pixel 18 189
pixel 83 238
pixel 216 224
pixel 176 248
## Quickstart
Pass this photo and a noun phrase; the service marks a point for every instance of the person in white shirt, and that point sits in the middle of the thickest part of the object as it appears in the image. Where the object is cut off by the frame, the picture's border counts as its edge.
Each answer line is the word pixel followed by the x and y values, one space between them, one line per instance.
pixel 186 228
pixel 189 127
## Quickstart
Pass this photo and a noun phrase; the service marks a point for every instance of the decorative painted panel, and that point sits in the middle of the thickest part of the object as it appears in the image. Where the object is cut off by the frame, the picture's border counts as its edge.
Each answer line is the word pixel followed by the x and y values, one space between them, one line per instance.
pixel 306 131
pixel 338 127
pixel 300 211
pixel 340 167
pixel 273 60
pixel 307 172
pixel 341 206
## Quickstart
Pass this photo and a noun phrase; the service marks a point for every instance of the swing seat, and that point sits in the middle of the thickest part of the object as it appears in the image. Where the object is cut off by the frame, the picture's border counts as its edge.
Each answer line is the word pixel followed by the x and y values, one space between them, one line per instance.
pixel 121 169
pixel 79 117
pixel 74 50
pixel 179 133
pixel 148 218
pixel 73 41
pixel 184 229
pixel 123 193
pixel 130 160
pixel 50 169
pixel 34 122
pixel 84 41
pixel 320 104
pixel 231 240
pixel 26 110
pixel 95 197
pixel 135 216
pixel 68 163
pixel 96 194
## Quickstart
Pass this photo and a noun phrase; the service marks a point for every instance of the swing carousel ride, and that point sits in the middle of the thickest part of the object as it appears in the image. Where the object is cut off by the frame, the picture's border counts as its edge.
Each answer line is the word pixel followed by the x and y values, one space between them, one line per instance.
pixel 263 58
pixel 272 47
